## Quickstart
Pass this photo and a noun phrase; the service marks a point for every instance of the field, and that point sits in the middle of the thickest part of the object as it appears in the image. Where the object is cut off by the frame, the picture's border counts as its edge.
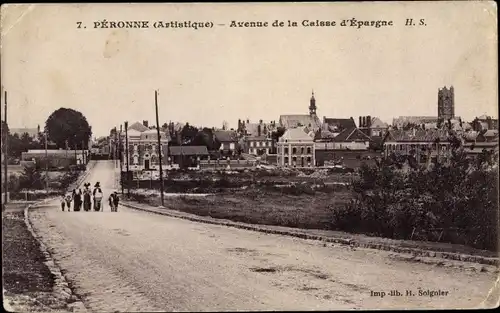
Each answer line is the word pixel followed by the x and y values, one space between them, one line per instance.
pixel 293 199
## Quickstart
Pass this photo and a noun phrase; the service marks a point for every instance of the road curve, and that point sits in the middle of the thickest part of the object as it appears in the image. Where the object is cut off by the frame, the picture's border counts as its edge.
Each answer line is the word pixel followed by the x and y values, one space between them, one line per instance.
pixel 137 261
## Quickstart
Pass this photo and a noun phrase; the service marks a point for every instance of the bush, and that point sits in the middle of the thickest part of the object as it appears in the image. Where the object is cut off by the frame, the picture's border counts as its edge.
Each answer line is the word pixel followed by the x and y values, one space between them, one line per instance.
pixel 454 202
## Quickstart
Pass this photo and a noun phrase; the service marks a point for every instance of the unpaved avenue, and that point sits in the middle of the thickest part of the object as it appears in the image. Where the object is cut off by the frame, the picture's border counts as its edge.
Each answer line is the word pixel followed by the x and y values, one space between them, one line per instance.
pixel 136 261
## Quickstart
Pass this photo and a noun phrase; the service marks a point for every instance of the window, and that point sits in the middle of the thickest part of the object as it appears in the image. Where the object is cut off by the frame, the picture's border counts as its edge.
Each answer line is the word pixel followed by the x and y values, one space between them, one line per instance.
pixel 251 143
pixel 301 150
pixel 286 160
pixel 308 150
pixel 308 159
pixel 136 160
pixel 294 150
pixel 286 150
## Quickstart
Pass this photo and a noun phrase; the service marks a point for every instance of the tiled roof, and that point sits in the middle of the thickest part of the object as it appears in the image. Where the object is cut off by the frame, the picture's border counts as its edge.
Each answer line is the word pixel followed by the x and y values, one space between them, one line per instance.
pixel 343 123
pixel 138 126
pixel 420 135
pixel 350 135
pixel 296 134
pixel 292 121
pixel 188 150
pixel 226 135
pixel 257 138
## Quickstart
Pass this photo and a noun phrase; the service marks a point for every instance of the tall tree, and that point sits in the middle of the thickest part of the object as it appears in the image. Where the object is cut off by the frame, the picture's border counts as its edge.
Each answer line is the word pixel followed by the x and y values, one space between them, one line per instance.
pixel 188 133
pixel 68 125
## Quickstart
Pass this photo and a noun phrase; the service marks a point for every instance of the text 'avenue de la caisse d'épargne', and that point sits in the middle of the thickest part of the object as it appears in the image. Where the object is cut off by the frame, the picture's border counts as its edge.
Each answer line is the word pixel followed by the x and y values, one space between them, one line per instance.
pixel 354 23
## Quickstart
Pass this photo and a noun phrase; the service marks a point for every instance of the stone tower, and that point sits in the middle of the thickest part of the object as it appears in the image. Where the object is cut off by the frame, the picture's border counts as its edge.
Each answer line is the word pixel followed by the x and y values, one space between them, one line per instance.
pixel 446 103
pixel 312 105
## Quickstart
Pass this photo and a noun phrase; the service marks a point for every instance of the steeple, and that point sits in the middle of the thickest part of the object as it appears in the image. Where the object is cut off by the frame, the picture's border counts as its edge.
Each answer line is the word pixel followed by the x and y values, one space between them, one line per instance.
pixel 312 105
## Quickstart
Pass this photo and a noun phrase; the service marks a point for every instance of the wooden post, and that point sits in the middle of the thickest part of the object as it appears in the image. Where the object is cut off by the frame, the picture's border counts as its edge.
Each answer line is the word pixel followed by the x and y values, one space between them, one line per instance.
pixel 6 154
pixel 159 148
pixel 46 165
pixel 120 155
pixel 126 155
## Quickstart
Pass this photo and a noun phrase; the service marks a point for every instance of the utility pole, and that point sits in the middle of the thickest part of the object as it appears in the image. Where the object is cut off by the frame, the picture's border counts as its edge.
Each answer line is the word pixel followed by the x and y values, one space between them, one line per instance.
pixel 46 164
pixel 83 155
pixel 128 159
pixel 5 152
pixel 159 148
pixel 120 155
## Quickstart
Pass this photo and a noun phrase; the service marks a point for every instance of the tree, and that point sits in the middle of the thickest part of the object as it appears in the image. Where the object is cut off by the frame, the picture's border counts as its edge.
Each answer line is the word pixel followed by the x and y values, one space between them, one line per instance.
pixel 68 125
pixel 188 133
pixel 225 125
pixel 280 131
pixel 206 137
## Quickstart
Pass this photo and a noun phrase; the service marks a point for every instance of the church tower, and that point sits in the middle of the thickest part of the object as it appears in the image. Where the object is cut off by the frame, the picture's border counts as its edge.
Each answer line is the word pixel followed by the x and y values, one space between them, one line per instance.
pixel 312 105
pixel 446 103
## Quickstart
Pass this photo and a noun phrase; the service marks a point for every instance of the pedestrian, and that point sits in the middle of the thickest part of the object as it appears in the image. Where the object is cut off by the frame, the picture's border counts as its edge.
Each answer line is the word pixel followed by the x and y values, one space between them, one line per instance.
pixel 97 193
pixel 63 202
pixel 68 199
pixel 111 202
pixel 87 197
pixel 115 200
pixel 77 200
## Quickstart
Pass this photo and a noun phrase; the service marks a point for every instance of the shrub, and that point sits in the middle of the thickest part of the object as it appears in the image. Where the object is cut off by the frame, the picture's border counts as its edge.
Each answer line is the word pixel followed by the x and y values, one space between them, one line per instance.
pixel 454 202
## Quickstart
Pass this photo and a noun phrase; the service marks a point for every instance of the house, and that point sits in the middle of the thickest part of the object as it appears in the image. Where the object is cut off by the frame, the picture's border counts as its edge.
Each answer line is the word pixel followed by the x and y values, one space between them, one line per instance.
pixel 310 120
pixel 476 142
pixel 142 152
pixel 351 143
pixel 337 125
pixel 423 144
pixel 484 122
pixel 296 148
pixel 372 126
pixel 187 156
pixel 259 145
pixel 228 140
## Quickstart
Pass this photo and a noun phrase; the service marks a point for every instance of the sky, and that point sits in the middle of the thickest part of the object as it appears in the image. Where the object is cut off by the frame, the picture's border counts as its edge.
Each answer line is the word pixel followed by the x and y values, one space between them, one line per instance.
pixel 211 75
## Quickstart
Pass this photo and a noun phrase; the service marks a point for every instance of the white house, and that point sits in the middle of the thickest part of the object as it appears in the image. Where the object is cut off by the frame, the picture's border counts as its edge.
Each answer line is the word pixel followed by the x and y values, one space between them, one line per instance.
pixel 296 148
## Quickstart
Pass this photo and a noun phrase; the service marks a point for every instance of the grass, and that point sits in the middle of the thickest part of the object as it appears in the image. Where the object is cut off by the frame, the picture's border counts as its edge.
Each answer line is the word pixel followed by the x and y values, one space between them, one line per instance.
pixel 309 211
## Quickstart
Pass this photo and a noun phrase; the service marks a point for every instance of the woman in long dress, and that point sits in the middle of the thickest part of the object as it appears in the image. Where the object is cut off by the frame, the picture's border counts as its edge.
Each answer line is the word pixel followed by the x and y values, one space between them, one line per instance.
pixel 87 198
pixel 77 200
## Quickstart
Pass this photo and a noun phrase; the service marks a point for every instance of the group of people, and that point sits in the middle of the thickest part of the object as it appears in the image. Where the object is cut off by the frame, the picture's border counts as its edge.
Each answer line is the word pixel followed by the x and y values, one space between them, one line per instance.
pixel 86 197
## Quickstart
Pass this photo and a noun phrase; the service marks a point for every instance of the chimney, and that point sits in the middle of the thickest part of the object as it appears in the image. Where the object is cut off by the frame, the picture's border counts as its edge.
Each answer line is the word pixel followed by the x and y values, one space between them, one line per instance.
pixel 359 125
pixel 364 121
pixel 248 121
pixel 489 122
pixel 145 123
pixel 260 121
pixel 369 121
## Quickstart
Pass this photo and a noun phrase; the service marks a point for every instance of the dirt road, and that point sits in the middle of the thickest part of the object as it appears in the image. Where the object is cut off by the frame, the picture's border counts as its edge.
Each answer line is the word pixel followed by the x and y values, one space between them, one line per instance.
pixel 136 261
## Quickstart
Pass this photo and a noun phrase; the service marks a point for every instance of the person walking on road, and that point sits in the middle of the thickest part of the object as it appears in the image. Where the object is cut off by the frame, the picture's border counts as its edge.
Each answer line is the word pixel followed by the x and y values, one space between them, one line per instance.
pixel 113 201
pixel 87 197
pixel 77 200
pixel 68 199
pixel 97 193
pixel 63 202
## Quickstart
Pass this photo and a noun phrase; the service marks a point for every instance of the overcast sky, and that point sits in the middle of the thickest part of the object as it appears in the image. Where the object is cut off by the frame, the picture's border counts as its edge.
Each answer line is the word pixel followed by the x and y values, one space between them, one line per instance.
pixel 207 76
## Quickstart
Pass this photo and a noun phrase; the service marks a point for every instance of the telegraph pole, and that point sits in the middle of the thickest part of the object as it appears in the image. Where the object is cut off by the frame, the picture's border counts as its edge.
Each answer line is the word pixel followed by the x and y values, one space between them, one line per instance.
pixel 46 164
pixel 159 148
pixel 128 159
pixel 119 154
pixel 5 152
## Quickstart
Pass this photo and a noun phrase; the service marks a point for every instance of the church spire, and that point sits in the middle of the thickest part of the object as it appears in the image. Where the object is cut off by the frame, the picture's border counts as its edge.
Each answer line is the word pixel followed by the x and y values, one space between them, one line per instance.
pixel 312 105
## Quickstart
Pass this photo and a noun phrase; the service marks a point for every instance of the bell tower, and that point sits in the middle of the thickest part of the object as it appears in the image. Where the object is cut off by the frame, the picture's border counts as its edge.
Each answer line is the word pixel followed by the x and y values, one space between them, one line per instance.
pixel 312 105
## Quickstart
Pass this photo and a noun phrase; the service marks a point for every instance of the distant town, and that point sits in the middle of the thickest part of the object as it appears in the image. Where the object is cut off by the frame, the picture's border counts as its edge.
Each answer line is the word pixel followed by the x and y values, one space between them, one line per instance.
pixel 294 140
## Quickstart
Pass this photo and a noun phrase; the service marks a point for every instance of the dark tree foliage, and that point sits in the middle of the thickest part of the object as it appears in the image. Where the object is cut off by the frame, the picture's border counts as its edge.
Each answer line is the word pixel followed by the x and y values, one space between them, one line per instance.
pixel 454 200
pixel 188 133
pixel 67 125
pixel 206 137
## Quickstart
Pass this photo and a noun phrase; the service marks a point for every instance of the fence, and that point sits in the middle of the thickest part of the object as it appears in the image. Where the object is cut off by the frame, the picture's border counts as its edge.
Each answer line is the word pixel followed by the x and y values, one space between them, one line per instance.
pixel 222 164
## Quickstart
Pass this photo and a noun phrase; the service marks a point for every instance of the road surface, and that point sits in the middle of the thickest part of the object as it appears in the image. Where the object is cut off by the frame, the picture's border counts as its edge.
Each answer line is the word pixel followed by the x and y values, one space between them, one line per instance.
pixel 137 261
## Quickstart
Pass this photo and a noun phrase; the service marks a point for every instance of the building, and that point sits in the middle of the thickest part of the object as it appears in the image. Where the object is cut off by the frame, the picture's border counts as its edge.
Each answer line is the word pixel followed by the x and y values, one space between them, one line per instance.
pixel 228 140
pixel 187 156
pixel 143 148
pixel 446 103
pixel 310 120
pixel 484 122
pixel 259 145
pixel 296 148
pixel 423 144
pixel 372 126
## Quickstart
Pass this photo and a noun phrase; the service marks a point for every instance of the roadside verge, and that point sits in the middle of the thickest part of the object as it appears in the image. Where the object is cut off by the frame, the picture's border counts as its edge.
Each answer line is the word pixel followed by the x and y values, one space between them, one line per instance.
pixel 413 248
